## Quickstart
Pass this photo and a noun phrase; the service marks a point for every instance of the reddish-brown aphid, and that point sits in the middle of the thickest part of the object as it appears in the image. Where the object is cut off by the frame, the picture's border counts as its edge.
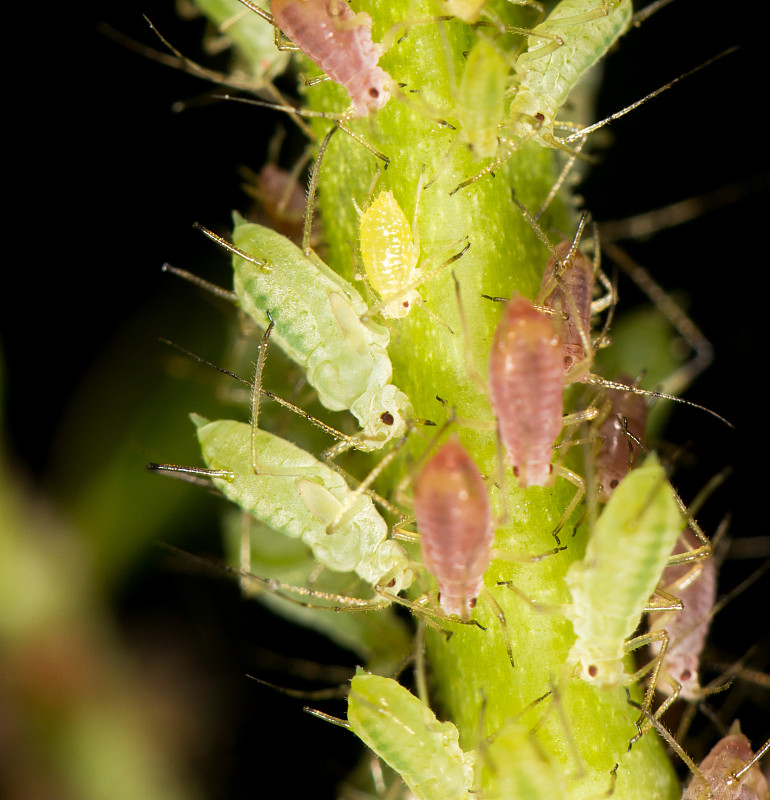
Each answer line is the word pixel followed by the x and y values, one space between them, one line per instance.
pixel 687 628
pixel 722 768
pixel 340 43
pixel 570 294
pixel 526 384
pixel 617 451
pixel 453 514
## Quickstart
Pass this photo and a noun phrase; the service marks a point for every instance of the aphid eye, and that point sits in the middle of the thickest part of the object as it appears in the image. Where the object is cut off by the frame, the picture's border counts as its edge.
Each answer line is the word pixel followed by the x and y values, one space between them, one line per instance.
pixel 472 603
pixel 405 304
pixel 593 670
pixel 686 675
pixel 613 483
pixel 567 361
pixel 387 418
pixel 390 584
pixel 516 471
pixel 374 92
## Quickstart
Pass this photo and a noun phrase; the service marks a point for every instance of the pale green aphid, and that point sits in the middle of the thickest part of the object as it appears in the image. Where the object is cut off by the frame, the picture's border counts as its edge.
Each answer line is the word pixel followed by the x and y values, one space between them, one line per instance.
pixel 549 72
pixel 406 735
pixel 627 551
pixel 318 325
pixel 513 767
pixel 560 51
pixel 299 496
pixel 480 105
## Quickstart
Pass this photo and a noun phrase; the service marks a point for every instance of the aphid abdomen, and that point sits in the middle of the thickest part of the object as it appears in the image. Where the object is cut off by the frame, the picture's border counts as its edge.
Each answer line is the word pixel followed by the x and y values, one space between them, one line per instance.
pixel 480 98
pixel 571 296
pixel 627 411
pixel 322 29
pixel 317 317
pixel 453 514
pixel 526 382
pixel 389 254
pixel 687 629
pixel 281 496
pixel 625 557
pixel 548 79
pixel 728 756
pixel 405 733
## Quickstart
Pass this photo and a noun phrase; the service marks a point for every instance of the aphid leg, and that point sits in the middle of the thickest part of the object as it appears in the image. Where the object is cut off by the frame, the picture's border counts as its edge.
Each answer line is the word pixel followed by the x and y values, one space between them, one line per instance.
pixel 348 510
pixel 311 192
pixel 653 666
pixel 735 777
pixel 654 721
pixel 580 490
pixel 498 612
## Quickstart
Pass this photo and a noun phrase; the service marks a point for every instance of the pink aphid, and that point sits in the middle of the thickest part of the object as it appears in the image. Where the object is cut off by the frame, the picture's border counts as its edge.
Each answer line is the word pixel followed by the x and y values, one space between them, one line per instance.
pixel 526 384
pixel 340 43
pixel 617 451
pixel 568 288
pixel 687 628
pixel 453 514
pixel 729 756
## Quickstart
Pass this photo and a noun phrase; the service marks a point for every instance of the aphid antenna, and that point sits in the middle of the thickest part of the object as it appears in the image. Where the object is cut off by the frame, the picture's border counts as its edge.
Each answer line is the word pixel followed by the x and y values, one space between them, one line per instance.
pixel 314 712
pixel 194 475
pixel 312 188
pixel 623 111
pixel 340 120
pixel 313 598
pixel 333 693
pixel 279 400
pixel 688 330
pixel 201 283
pixel 643 225
pixel 179 61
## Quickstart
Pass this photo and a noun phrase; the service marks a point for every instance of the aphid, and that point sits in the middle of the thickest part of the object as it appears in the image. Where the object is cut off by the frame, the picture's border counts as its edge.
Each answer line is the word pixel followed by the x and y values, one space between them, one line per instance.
pixel 454 518
pixel 299 496
pixel 480 99
pixel 320 328
pixel 390 251
pixel 584 31
pixel 624 422
pixel 627 551
pixel 731 770
pixel 406 735
pixel 339 42
pixel 696 587
pixel 526 386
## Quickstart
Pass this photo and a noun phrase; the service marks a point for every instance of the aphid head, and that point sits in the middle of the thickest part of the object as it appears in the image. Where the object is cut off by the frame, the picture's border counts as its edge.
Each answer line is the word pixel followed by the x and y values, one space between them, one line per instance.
pixel 401 306
pixel 373 95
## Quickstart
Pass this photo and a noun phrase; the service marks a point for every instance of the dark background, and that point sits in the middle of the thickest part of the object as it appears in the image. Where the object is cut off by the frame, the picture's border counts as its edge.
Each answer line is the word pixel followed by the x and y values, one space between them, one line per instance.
pixel 113 181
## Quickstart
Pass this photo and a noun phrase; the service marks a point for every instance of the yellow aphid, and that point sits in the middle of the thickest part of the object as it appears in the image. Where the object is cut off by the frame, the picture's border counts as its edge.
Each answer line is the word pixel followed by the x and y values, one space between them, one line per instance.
pixel 390 255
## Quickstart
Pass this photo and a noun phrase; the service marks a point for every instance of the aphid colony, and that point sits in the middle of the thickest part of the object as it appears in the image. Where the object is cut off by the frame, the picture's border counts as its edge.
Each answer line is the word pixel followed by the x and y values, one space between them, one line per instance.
pixel 644 552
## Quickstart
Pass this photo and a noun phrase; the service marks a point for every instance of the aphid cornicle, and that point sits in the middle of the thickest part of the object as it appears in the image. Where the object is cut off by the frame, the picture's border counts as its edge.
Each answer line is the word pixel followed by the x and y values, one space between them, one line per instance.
pixel 339 42
pixel 727 759
pixel 526 386
pixel 453 514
